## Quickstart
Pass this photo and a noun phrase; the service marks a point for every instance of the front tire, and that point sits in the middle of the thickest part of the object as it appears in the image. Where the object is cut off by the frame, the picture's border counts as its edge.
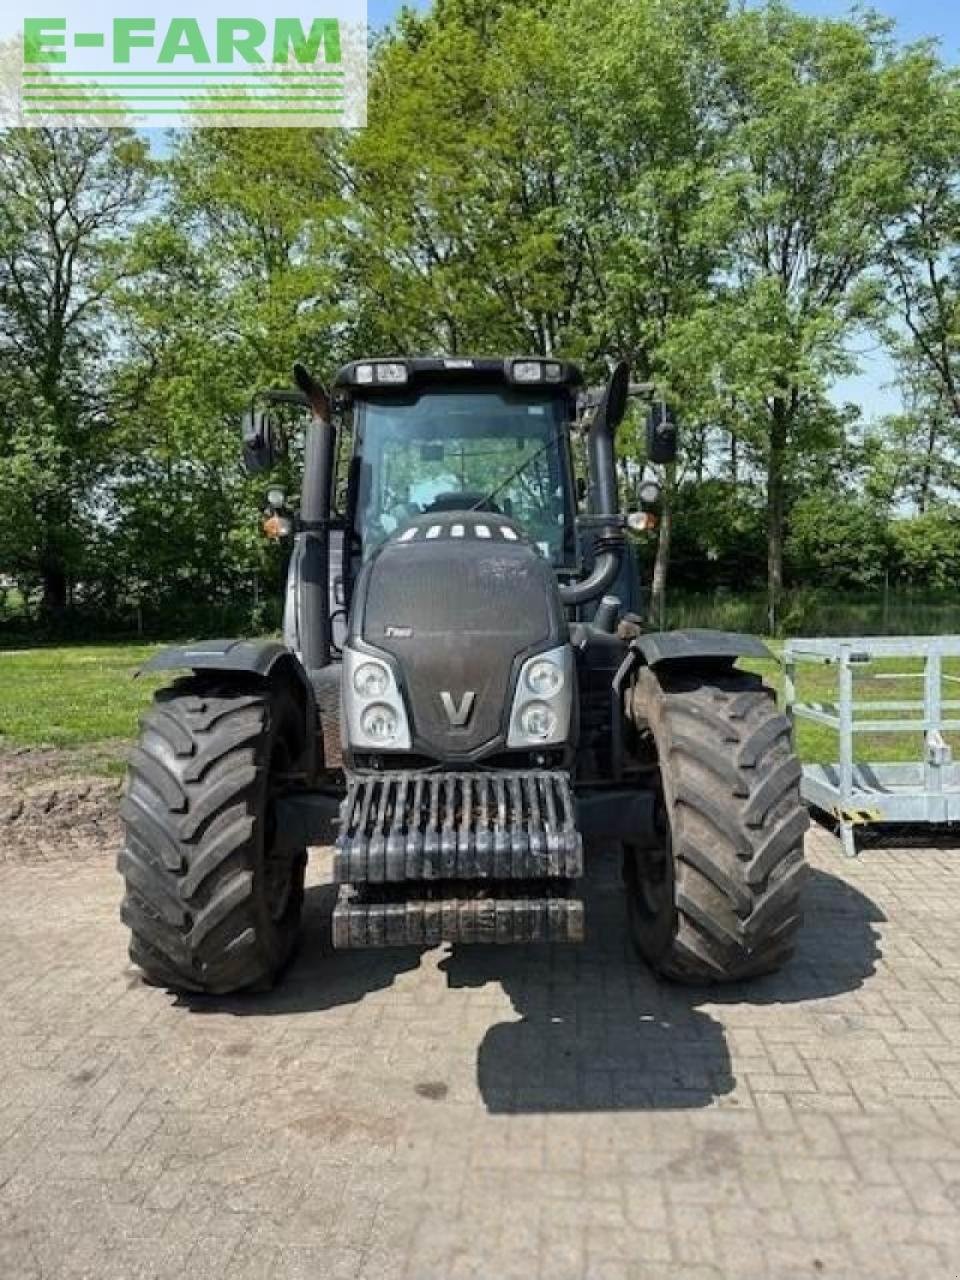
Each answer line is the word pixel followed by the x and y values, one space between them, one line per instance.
pixel 719 900
pixel 212 905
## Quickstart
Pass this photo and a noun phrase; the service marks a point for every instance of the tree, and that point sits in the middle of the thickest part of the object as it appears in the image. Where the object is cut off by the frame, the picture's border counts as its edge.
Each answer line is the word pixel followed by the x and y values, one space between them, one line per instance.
pixel 927 549
pixel 464 229
pixel 237 282
pixel 801 185
pixel 66 200
pixel 838 540
pixel 920 256
pixel 914 456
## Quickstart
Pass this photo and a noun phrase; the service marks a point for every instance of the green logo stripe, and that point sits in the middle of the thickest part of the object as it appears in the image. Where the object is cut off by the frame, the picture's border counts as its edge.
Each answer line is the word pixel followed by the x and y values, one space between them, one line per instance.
pixel 195 111
pixel 92 86
pixel 180 97
pixel 137 74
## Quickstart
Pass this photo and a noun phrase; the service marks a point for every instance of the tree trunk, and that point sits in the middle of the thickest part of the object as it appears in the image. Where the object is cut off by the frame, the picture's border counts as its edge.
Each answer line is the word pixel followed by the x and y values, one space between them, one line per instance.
pixel 926 470
pixel 661 565
pixel 775 510
pixel 55 589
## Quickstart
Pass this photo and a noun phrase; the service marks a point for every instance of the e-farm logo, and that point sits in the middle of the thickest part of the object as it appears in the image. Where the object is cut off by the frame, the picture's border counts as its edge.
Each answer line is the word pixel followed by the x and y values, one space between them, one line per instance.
pixel 97 67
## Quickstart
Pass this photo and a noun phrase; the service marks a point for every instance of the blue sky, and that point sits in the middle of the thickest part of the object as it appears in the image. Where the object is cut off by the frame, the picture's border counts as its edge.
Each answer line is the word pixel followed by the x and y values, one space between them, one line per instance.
pixel 915 18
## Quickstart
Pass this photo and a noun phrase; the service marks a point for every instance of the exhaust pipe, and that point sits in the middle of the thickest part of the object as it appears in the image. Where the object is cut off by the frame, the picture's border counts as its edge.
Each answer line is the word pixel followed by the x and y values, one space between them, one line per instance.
pixel 310 563
pixel 604 500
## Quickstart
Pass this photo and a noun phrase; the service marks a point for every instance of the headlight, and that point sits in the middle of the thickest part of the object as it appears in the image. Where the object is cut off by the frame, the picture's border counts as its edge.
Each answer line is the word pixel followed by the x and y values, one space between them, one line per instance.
pixel 544 678
pixel 538 722
pixel 543 701
pixel 392 373
pixel 380 723
pixel 373 715
pixel 530 371
pixel 371 680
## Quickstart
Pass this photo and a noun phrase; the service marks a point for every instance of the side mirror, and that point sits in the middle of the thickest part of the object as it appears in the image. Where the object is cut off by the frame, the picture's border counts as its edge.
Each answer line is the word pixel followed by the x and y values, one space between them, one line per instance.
pixel 266 435
pixel 661 434
pixel 613 405
pixel 262 446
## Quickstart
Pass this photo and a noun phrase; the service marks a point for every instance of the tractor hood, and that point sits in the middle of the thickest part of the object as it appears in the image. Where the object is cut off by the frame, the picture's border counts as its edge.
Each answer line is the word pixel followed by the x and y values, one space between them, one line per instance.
pixel 458 602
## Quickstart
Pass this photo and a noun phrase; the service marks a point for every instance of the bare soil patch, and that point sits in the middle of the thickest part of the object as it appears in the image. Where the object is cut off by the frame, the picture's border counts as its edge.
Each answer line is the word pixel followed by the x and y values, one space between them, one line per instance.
pixel 55 805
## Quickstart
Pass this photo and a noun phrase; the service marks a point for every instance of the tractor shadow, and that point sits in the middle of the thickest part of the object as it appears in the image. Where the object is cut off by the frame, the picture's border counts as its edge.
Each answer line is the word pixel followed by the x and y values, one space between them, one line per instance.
pixel 597 1030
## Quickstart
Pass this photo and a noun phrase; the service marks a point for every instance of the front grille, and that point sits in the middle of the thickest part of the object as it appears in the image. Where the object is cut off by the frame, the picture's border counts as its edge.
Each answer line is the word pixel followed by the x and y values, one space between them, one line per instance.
pixel 457 826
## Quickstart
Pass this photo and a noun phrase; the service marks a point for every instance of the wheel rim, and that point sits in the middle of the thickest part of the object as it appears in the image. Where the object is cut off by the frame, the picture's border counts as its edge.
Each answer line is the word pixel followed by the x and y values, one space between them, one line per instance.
pixel 650 878
pixel 653 881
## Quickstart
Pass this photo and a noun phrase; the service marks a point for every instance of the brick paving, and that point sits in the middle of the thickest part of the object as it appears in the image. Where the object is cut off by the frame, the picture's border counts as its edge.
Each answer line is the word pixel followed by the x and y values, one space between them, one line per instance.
pixel 487 1113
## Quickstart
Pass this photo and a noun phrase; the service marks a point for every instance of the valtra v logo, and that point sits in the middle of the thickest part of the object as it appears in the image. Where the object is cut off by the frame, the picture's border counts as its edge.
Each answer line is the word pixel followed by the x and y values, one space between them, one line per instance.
pixel 458 715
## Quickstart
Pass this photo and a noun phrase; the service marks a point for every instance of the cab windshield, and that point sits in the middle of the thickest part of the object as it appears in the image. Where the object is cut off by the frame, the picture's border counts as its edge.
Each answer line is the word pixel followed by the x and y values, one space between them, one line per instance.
pixel 495 450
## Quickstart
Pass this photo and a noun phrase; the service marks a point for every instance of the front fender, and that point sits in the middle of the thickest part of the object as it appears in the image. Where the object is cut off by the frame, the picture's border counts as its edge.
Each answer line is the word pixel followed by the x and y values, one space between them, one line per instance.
pixel 252 657
pixel 662 647
pixel 265 659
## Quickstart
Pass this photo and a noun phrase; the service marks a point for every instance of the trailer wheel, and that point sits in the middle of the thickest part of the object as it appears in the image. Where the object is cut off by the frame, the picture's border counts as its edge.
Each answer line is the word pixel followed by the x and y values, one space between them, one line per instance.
pixel 212 902
pixel 719 899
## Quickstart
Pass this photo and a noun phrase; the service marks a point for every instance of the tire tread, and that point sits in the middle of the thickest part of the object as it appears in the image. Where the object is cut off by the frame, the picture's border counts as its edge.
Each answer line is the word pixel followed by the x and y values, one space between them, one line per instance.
pixel 193 900
pixel 733 798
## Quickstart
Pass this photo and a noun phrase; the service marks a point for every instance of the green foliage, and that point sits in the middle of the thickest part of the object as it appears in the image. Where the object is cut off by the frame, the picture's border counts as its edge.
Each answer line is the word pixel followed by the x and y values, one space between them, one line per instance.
pixel 920 260
pixel 809 611
pixel 718 536
pixel 67 202
pixel 725 196
pixel 838 541
pixel 927 548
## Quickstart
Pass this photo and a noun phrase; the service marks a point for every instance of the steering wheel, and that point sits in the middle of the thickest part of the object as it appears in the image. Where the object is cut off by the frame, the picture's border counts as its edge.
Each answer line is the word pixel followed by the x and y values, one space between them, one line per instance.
pixel 464 501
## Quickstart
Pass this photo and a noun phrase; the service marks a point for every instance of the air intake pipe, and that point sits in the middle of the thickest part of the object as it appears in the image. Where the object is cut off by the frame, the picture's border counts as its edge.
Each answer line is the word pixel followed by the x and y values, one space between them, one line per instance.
pixel 604 500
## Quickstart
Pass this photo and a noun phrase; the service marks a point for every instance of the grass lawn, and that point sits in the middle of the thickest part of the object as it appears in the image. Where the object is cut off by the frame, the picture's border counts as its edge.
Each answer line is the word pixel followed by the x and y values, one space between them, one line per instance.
pixel 85 697
pixel 78 698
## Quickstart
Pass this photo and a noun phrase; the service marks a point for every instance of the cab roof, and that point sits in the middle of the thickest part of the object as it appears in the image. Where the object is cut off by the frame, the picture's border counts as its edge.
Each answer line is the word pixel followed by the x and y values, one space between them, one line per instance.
pixel 364 376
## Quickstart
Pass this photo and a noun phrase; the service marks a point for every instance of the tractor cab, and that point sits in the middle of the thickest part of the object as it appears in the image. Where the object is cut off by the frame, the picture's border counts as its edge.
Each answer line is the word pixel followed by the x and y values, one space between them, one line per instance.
pixel 431 437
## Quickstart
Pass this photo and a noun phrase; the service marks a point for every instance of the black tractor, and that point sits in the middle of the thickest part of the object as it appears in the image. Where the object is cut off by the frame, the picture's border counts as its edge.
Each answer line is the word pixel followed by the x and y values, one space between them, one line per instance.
pixel 467 689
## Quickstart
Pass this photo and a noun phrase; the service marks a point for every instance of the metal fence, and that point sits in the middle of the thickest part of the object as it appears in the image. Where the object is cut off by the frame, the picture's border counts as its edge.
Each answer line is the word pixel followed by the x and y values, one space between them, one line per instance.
pixel 926 790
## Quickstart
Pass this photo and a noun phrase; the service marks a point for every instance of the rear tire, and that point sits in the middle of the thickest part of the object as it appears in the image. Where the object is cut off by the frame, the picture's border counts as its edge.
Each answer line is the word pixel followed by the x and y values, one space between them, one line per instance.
pixel 209 906
pixel 719 901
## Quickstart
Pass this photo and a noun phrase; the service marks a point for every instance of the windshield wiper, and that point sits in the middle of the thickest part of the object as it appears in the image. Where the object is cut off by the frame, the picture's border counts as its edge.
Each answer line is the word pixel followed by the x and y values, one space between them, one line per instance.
pixel 517 472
